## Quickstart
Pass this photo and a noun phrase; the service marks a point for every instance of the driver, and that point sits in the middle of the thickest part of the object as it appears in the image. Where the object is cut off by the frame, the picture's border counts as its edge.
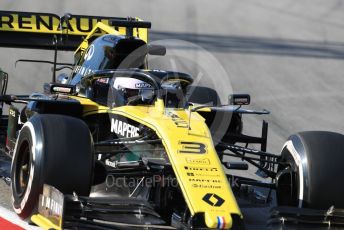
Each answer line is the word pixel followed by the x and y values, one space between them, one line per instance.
pixel 131 91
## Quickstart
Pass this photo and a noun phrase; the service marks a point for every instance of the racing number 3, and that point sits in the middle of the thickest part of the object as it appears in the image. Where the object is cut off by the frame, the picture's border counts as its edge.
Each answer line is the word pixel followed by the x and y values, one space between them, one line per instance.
pixel 192 147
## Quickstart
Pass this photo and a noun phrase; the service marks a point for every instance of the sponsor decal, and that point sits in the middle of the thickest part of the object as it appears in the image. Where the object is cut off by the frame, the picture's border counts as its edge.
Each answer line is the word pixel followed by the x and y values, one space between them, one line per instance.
pixel 205 180
pixel 110 163
pixel 178 121
pixel 213 199
pixel 83 71
pixel 203 161
pixel 51 204
pixel 204 172
pixel 124 129
pixel 127 142
pixel 48 23
pixel 205 183
pixel 204 169
pixel 142 85
pixel 103 80
pixel 206 186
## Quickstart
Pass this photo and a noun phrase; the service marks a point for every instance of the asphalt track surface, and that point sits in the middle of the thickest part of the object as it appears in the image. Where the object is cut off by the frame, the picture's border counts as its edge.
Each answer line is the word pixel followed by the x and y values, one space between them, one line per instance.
pixel 288 55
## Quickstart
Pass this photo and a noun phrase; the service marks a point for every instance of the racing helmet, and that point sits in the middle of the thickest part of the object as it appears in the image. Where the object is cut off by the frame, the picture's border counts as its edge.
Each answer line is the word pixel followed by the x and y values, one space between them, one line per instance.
pixel 131 91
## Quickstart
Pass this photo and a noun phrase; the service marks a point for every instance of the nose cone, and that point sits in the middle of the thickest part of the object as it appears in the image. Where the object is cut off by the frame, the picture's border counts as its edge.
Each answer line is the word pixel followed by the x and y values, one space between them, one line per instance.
pixel 214 221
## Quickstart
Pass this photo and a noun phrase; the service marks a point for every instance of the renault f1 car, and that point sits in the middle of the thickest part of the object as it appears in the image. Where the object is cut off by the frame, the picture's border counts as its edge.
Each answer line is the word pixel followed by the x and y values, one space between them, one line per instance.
pixel 109 147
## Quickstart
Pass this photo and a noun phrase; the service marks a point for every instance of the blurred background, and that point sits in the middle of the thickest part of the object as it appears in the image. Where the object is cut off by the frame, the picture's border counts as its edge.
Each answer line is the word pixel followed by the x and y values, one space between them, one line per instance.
pixel 288 55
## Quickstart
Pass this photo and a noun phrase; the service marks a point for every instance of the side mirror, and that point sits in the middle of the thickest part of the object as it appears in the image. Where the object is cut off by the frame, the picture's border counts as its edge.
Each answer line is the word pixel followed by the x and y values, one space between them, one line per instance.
pixel 55 88
pixel 239 99
pixel 62 78
pixel 156 50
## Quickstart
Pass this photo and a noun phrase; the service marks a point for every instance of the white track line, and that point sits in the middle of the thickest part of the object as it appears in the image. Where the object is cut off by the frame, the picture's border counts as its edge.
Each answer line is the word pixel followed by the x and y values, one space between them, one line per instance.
pixel 13 218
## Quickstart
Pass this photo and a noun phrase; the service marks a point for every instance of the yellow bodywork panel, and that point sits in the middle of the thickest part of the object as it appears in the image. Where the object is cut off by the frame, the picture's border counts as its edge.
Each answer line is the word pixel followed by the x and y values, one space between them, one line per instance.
pixel 89 106
pixel 193 157
pixel 191 153
pixel 44 222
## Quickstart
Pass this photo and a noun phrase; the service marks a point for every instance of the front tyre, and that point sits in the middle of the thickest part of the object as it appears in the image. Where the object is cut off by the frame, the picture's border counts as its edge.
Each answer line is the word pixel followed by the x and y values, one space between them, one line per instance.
pixel 50 149
pixel 310 171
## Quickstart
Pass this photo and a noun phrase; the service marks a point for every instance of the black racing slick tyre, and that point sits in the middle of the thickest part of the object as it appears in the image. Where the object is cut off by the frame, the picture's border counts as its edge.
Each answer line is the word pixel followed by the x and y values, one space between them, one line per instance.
pixel 55 150
pixel 311 170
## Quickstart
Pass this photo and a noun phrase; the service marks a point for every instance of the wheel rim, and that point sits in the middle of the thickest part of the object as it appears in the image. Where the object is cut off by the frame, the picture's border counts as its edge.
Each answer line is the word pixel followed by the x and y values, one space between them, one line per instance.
pixel 22 172
pixel 287 185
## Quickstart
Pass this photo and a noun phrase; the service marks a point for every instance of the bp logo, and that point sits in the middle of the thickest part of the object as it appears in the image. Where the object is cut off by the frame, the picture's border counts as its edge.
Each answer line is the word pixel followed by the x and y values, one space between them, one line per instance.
pixel 213 199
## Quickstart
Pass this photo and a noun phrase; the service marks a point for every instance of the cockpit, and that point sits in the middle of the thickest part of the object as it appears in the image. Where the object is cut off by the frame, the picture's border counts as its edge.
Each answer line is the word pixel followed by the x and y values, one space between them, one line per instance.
pixel 138 87
pixel 115 71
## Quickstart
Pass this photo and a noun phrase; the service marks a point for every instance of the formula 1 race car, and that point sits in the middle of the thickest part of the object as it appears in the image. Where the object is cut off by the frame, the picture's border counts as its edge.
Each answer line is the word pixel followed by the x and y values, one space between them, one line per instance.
pixel 108 147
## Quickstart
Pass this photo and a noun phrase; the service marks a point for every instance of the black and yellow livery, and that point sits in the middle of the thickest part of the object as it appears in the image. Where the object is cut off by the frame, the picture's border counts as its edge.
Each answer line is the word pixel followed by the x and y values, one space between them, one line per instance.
pixel 85 158
pixel 45 30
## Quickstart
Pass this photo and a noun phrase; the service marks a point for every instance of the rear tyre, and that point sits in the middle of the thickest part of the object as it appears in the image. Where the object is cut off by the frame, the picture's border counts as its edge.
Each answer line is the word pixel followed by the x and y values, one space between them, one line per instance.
pixel 310 171
pixel 50 149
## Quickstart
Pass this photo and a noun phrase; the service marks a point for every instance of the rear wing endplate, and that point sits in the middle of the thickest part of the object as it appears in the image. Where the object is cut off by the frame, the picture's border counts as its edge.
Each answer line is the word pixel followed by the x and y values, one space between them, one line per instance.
pixel 50 31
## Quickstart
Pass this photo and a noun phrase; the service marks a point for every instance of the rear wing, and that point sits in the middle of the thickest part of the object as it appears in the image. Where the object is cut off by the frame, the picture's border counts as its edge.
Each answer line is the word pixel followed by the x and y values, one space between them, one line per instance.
pixel 50 31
